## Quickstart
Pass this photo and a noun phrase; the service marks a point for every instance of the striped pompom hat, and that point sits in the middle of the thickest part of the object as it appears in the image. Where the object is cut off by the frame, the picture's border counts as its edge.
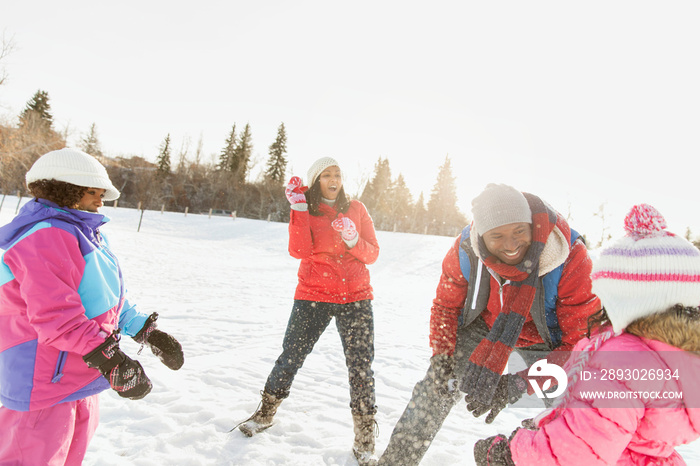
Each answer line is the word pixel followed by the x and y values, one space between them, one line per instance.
pixel 647 271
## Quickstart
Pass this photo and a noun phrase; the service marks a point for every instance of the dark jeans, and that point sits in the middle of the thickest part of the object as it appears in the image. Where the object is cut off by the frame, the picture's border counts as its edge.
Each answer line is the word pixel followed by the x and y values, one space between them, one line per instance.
pixel 428 408
pixel 308 321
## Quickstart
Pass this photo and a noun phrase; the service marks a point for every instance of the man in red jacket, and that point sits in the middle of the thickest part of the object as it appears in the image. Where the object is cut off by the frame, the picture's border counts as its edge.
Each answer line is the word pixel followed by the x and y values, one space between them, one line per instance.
pixel 517 279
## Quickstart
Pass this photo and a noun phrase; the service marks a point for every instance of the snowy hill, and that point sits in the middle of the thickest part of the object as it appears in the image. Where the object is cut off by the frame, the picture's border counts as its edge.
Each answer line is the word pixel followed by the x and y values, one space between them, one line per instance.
pixel 224 288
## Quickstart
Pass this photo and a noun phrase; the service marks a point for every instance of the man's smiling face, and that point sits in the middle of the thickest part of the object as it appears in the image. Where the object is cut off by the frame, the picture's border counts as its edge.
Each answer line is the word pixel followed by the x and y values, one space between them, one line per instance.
pixel 509 243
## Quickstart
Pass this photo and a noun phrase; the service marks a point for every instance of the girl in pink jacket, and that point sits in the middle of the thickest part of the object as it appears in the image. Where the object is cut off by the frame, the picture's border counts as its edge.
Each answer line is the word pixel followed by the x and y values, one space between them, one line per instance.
pixel 63 308
pixel 632 394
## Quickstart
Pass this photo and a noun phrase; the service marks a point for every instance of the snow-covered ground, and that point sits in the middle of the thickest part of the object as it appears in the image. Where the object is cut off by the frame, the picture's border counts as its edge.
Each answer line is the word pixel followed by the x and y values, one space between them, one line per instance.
pixel 224 288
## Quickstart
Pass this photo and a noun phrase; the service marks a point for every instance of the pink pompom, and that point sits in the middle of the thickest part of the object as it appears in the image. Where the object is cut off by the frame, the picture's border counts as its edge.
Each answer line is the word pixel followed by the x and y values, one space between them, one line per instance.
pixel 644 220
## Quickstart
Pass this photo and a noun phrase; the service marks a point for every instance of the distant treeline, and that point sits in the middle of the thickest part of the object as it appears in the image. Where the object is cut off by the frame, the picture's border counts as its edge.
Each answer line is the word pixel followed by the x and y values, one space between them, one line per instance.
pixel 183 181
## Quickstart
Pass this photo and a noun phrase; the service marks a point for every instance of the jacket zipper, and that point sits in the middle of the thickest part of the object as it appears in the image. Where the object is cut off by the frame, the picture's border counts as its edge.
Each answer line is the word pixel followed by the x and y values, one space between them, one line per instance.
pixel 58 373
pixel 500 291
pixel 477 285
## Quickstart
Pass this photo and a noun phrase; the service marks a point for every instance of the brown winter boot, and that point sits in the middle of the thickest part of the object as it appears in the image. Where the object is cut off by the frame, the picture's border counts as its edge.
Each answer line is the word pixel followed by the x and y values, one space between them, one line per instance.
pixel 363 447
pixel 262 418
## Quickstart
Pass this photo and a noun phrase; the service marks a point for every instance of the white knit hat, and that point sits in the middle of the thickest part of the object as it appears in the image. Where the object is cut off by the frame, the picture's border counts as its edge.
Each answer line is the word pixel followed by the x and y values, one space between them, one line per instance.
pixel 647 271
pixel 318 167
pixel 75 167
pixel 498 205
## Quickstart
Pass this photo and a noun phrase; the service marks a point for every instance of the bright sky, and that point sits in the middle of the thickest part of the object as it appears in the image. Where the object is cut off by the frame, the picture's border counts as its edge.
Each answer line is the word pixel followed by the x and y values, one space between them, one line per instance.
pixel 582 103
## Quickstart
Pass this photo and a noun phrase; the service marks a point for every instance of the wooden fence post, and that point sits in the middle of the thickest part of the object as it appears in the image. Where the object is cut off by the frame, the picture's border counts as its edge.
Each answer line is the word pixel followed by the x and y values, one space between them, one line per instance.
pixel 140 218
pixel 19 201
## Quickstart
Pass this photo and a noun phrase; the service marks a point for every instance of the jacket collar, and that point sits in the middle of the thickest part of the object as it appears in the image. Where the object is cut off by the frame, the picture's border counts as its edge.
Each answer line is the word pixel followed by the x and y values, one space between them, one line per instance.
pixel 326 210
pixel 38 210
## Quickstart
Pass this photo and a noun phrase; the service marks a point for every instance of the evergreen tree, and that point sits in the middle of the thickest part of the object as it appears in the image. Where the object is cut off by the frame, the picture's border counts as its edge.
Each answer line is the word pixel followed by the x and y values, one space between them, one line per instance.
pixel 20 146
pixel 226 157
pixel 420 215
pixel 401 203
pixel 377 193
pixel 37 113
pixel 277 163
pixel 446 218
pixel 241 155
pixel 90 144
pixel 163 160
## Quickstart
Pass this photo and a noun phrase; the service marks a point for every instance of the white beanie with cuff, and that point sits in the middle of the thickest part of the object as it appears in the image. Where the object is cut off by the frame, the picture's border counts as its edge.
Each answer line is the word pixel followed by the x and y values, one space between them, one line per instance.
pixel 318 167
pixel 75 167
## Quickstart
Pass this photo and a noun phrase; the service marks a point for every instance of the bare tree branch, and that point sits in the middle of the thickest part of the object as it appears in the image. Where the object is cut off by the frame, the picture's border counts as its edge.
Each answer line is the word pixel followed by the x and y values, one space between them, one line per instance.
pixel 6 48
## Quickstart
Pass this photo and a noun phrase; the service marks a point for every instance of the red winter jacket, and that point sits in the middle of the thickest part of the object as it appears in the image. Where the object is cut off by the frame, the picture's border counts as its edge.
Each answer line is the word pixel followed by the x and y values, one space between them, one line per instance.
pixel 331 272
pixel 575 302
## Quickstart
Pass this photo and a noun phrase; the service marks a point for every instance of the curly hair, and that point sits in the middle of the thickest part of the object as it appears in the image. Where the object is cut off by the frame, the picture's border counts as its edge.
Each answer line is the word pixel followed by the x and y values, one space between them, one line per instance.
pixel 313 198
pixel 62 193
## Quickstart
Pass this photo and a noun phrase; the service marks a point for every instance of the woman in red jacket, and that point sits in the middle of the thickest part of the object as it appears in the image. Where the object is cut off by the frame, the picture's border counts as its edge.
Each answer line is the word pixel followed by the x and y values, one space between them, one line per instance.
pixel 335 240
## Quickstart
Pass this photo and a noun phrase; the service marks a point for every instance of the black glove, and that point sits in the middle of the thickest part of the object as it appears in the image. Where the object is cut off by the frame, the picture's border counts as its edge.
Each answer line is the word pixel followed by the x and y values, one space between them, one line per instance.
pixel 528 424
pixel 510 389
pixel 443 369
pixel 493 451
pixel 163 345
pixel 125 375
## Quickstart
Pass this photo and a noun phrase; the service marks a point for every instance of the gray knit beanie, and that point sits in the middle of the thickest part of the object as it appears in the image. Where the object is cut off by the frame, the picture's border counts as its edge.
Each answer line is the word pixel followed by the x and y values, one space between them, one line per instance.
pixel 498 205
pixel 318 167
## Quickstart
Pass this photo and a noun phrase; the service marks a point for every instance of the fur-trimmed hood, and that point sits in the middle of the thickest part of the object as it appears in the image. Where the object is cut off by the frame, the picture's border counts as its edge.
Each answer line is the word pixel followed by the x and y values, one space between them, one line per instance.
pixel 681 331
pixel 634 428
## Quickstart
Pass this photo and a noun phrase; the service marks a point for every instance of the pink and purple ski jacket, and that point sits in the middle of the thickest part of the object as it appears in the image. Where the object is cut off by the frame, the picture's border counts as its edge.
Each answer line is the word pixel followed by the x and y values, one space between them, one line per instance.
pixel 630 430
pixel 61 292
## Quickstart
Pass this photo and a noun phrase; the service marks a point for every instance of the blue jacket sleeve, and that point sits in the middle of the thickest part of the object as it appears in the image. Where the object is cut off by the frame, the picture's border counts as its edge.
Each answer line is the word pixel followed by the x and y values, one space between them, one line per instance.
pixel 131 320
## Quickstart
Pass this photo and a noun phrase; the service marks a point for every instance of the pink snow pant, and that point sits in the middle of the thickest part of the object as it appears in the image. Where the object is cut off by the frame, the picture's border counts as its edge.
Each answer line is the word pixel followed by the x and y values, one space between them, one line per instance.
pixel 58 435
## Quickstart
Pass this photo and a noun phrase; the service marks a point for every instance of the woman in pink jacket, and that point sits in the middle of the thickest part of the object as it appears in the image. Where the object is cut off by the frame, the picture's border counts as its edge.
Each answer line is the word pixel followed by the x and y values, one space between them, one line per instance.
pixel 335 240
pixel 632 393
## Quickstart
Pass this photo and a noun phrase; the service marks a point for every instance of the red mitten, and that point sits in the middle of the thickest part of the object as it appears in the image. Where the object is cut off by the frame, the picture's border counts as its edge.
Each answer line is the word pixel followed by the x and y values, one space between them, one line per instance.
pixel 295 191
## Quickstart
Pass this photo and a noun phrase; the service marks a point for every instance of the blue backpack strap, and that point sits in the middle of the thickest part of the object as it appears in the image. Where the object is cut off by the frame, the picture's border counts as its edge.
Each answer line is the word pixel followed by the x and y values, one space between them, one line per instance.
pixel 464 263
pixel 465 267
pixel 551 289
